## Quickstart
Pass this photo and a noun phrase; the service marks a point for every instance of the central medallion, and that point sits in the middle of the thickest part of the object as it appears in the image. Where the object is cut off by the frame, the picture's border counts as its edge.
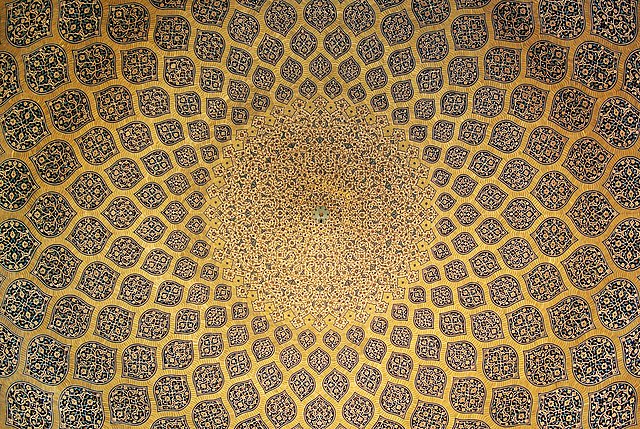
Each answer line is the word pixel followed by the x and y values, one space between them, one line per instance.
pixel 321 214
pixel 364 188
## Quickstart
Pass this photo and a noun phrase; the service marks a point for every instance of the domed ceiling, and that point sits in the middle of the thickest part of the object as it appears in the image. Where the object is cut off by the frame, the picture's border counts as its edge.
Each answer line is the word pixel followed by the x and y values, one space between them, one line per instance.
pixel 314 214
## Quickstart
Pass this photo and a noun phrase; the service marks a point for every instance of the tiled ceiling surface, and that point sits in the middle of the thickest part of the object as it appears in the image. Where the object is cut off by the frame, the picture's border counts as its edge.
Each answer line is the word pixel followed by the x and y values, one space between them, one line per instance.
pixel 381 214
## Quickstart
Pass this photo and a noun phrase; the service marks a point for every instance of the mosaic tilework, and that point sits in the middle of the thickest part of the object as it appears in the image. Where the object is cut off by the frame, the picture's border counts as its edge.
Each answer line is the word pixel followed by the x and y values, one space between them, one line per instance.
pixel 370 190
pixel 367 214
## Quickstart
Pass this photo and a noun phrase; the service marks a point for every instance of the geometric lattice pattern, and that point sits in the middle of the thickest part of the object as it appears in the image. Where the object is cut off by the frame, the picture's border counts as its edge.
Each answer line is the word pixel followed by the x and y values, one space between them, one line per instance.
pixel 314 214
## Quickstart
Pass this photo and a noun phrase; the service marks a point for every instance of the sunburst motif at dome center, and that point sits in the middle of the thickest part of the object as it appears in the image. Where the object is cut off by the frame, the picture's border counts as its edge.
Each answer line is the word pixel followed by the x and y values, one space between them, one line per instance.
pixel 349 166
